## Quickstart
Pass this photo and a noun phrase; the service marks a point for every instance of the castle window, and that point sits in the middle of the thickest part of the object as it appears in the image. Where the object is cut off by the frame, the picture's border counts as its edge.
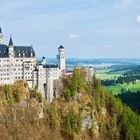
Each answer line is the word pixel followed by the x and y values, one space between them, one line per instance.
pixel 27 68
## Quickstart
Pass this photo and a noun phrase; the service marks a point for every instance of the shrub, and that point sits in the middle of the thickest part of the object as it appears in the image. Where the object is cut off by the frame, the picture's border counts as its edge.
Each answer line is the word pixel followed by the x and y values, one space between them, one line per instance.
pixel 17 95
pixel 52 117
pixel 67 95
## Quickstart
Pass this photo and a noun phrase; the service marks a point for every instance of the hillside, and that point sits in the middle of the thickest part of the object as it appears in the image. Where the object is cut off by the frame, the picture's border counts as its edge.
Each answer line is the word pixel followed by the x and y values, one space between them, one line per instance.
pixel 83 110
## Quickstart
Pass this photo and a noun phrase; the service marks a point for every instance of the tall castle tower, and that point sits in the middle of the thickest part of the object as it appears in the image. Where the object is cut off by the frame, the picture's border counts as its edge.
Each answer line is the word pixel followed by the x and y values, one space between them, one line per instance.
pixel 1 36
pixel 61 58
pixel 11 47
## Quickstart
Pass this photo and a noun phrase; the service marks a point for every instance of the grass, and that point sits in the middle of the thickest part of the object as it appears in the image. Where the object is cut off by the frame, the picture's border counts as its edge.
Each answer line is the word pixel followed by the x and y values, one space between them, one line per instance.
pixel 111 73
pixel 103 70
pixel 116 89
pixel 135 87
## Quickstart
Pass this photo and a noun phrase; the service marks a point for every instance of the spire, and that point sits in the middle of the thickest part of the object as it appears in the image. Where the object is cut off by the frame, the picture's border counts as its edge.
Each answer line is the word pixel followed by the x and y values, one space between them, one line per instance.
pixel 1 36
pixel 0 30
pixel 61 47
pixel 10 41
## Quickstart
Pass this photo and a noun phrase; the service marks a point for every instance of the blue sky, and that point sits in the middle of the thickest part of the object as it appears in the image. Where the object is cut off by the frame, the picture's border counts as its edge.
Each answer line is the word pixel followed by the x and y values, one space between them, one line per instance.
pixel 86 28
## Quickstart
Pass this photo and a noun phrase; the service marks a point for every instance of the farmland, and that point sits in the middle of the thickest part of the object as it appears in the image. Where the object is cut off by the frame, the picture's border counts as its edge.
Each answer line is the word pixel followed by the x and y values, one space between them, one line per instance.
pixel 112 73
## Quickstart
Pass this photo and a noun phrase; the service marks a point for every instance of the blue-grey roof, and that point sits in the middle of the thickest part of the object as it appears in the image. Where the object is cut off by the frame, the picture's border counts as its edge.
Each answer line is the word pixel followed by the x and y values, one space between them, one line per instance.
pixel 50 66
pixel 61 47
pixel 10 41
pixel 24 51
pixel 0 30
pixel 19 51
pixel 43 57
pixel 3 51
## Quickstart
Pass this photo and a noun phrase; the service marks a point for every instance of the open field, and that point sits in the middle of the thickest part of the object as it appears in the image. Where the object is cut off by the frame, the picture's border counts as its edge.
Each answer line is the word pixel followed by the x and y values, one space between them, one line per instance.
pixel 135 87
pixel 108 73
pixel 116 89
pixel 111 73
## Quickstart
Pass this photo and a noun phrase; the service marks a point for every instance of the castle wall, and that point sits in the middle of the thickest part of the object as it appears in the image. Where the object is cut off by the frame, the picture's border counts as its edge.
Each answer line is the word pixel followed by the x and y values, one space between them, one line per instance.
pixel 61 59
pixel 12 69
pixel 1 38
pixel 41 80
pixel 52 74
pixel 30 83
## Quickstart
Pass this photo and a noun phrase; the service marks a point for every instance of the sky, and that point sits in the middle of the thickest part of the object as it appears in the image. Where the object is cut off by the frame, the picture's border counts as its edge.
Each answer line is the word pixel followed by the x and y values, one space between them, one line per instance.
pixel 86 28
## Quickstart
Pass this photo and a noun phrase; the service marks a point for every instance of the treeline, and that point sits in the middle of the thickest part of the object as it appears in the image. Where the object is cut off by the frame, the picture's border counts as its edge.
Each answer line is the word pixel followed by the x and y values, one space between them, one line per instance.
pixel 129 76
pixel 121 123
pixel 131 99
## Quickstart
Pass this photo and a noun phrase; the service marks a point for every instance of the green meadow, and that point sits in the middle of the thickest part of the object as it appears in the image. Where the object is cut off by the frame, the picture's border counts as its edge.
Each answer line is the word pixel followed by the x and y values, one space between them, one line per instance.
pixel 111 73
pixel 116 89
pixel 108 73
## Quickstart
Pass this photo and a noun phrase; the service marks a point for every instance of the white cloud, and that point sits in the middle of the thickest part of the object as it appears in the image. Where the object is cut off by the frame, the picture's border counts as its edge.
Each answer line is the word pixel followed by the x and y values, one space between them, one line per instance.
pixel 138 19
pixel 72 36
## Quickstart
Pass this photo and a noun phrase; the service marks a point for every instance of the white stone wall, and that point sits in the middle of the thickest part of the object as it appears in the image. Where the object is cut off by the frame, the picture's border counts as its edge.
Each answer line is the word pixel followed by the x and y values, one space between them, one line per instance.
pixel 41 80
pixel 12 69
pixel 61 59
pixel 1 38
pixel 52 74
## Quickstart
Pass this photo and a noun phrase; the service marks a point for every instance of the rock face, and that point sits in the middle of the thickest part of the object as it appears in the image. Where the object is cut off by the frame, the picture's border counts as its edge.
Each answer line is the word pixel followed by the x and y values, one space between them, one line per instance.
pixel 58 87
pixel 87 122
pixel 40 111
pixel 96 129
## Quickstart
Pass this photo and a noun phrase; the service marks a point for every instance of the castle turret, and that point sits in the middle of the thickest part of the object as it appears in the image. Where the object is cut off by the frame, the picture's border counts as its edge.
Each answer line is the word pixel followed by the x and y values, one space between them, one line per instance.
pixel 11 47
pixel 1 36
pixel 61 58
pixel 43 61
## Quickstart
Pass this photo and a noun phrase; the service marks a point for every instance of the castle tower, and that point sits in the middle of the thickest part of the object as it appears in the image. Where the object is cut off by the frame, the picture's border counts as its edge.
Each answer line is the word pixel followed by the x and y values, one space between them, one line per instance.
pixel 1 36
pixel 61 58
pixel 43 61
pixel 11 47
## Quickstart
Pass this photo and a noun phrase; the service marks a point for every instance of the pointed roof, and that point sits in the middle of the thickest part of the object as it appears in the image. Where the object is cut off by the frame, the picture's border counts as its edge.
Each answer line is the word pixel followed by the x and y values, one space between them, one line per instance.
pixel 0 30
pixel 61 47
pixel 43 57
pixel 10 41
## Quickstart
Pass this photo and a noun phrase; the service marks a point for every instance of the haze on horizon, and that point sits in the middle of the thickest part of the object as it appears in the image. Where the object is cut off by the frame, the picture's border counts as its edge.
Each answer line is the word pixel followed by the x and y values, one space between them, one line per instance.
pixel 87 29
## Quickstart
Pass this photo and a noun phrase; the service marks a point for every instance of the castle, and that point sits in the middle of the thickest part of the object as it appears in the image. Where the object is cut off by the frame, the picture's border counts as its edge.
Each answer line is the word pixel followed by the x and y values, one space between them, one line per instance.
pixel 20 63
pixel 44 75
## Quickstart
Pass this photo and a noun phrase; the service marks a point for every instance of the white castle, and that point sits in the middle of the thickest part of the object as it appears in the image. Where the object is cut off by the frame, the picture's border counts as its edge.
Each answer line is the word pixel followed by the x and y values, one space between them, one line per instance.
pixel 20 63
